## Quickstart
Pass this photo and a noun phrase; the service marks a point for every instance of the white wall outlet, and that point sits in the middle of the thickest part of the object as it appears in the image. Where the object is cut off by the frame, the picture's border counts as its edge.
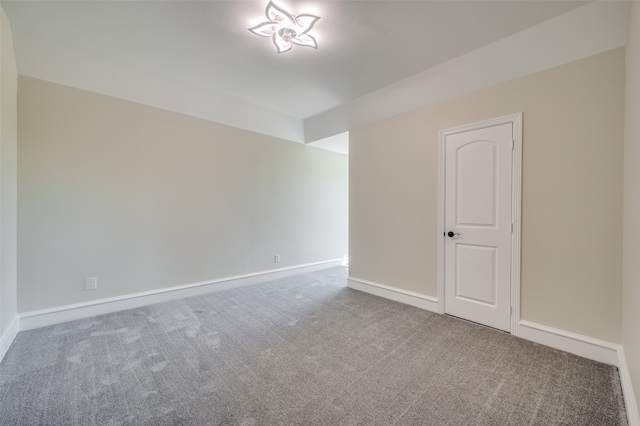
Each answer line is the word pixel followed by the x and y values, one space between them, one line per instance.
pixel 276 258
pixel 91 283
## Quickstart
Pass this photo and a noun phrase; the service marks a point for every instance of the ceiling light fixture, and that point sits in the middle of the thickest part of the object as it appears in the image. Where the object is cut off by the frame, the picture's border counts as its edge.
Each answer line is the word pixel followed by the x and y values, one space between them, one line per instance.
pixel 286 29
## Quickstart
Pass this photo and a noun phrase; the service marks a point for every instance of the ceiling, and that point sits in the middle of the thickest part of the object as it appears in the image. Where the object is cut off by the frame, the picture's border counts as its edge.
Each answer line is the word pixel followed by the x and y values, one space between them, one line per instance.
pixel 203 48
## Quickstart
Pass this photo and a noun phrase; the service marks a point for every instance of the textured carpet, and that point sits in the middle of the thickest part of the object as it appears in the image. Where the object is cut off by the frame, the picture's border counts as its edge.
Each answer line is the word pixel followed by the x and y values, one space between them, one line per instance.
pixel 303 350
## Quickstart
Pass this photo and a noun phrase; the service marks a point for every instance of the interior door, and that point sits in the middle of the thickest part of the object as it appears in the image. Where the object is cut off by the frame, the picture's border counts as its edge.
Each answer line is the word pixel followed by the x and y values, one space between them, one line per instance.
pixel 478 225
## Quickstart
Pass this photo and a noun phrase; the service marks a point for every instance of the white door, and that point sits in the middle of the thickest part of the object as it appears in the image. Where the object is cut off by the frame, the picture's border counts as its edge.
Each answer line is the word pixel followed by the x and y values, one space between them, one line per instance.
pixel 478 225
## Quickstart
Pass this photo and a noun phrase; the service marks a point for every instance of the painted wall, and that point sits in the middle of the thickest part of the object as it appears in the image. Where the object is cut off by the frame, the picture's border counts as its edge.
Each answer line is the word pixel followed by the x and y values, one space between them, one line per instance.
pixel 8 176
pixel 145 199
pixel 631 235
pixel 572 192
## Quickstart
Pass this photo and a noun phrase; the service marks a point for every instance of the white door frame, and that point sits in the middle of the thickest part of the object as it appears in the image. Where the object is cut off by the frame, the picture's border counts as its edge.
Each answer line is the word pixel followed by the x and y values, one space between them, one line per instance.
pixel 516 204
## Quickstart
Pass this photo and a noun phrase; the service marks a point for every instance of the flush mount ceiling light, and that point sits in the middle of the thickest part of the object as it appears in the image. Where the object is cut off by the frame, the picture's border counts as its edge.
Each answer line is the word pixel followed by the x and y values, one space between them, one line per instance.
pixel 285 29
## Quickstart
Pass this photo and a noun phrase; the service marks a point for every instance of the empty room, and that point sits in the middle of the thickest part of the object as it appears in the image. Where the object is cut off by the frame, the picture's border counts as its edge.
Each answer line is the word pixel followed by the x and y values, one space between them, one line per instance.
pixel 319 212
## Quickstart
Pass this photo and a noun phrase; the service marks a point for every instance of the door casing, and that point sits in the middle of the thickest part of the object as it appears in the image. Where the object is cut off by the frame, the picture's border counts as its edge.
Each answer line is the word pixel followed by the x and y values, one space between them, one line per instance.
pixel 516 207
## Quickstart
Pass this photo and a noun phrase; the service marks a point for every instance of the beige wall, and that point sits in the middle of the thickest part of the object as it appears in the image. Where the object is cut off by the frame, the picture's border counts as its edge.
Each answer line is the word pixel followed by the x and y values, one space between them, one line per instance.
pixel 145 199
pixel 572 192
pixel 631 240
pixel 8 175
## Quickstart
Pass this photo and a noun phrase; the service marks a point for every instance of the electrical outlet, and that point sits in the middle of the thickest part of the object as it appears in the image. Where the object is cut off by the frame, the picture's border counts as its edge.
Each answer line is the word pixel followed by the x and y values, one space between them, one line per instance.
pixel 91 283
pixel 276 258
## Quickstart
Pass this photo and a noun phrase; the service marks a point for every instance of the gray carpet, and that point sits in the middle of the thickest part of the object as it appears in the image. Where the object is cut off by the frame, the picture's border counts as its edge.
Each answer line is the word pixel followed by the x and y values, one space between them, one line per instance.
pixel 302 350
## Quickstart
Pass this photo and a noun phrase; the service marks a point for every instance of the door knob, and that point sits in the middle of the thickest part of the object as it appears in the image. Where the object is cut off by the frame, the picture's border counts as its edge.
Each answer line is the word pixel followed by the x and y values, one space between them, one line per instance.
pixel 452 234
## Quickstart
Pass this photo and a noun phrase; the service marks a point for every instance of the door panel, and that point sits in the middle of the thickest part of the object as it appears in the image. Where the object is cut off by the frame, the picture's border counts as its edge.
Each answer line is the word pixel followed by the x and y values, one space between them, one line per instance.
pixel 476 184
pixel 476 279
pixel 478 168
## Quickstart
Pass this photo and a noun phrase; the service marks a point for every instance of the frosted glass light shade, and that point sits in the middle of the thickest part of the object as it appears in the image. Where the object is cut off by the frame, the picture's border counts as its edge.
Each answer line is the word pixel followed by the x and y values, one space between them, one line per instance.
pixel 286 29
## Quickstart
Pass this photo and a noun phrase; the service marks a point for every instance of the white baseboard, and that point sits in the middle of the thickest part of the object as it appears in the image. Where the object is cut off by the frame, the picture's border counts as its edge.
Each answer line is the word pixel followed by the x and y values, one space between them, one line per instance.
pixel 627 390
pixel 8 337
pixel 57 315
pixel 403 296
pixel 584 346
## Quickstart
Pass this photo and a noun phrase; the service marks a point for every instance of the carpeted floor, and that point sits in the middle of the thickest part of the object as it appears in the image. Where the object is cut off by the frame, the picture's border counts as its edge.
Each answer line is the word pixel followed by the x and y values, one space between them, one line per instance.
pixel 302 350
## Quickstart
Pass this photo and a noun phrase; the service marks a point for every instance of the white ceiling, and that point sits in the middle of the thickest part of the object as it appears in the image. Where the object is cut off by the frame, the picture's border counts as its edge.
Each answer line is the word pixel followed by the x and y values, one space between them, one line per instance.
pixel 197 57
